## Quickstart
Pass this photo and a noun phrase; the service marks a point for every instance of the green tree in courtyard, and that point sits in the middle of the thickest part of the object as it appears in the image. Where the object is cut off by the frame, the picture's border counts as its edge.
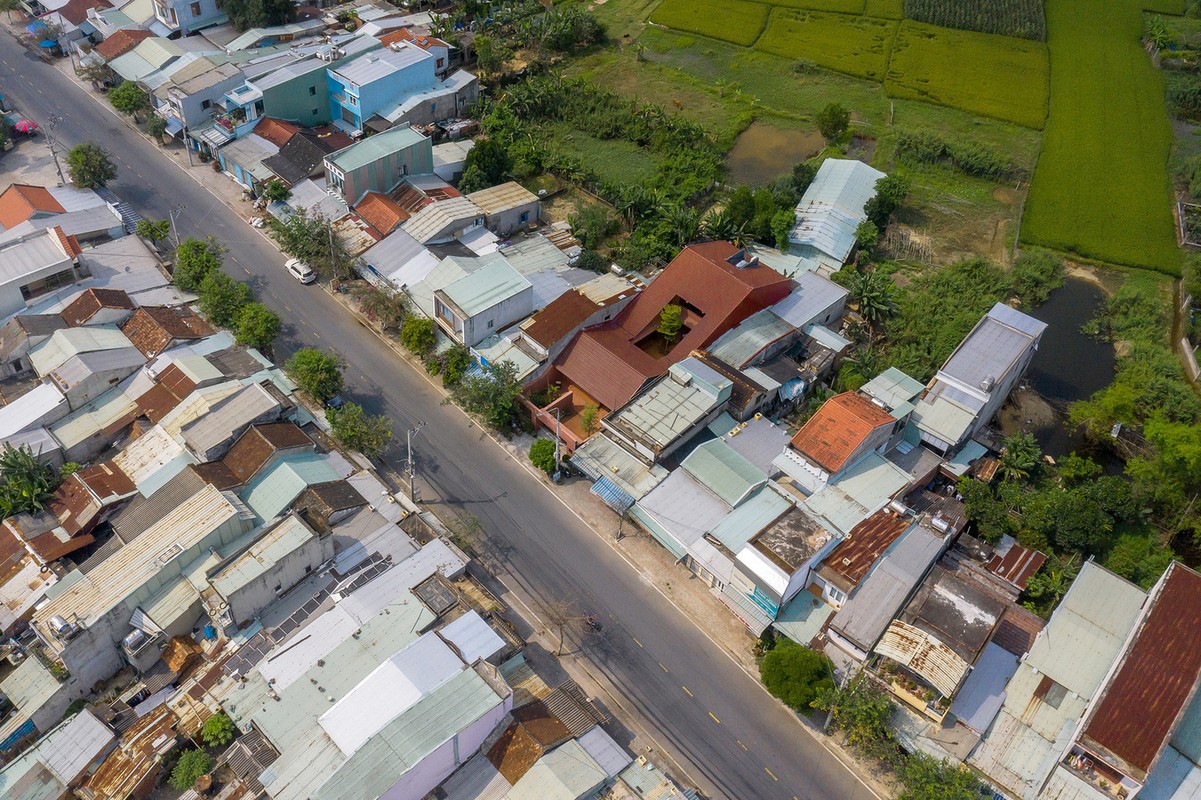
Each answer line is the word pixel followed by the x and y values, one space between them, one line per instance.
pixel 1020 457
pixel 27 485
pixel 671 322
pixel 218 730
pixel 191 765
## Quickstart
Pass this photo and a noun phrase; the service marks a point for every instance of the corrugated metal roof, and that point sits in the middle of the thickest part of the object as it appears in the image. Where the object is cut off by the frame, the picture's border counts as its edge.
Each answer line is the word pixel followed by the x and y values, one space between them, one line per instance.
pixel 983 692
pixel 373 148
pixel 472 637
pixel 477 780
pixel 68 342
pixel 29 409
pixel 207 435
pixel 382 63
pixel 864 489
pixel 566 773
pixel 865 616
pixel 276 544
pixel 811 296
pixel 832 207
pixel 671 407
pixel 107 414
pixel 600 455
pixel 925 655
pixel 274 489
pixel 484 288
pixel 442 219
pixel 253 35
pixel 993 347
pixel 121 363
pixel 720 469
pixel 740 346
pixel 502 197
pixel 682 509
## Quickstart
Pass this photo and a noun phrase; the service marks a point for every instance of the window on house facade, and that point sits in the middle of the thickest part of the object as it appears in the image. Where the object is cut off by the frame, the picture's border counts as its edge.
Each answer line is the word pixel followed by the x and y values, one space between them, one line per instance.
pixel 314 112
pixel 312 91
pixel 490 324
pixel 195 9
pixel 48 284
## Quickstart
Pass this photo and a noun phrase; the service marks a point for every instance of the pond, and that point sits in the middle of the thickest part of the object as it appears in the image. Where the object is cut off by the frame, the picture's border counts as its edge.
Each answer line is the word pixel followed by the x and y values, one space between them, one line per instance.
pixel 1069 365
pixel 764 152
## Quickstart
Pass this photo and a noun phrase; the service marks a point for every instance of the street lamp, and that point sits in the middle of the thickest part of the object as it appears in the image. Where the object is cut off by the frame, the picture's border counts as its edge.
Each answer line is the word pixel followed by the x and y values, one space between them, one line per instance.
pixel 411 463
pixel 171 216
pixel 51 124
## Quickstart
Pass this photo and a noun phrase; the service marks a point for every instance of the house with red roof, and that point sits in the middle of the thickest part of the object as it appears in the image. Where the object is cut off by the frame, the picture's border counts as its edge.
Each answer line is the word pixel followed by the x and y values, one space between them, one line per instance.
pixel 716 284
pixel 847 427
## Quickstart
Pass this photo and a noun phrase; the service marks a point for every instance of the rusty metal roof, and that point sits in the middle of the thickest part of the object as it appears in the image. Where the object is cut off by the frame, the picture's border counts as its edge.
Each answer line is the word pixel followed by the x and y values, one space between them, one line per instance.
pixel 134 762
pixel 1015 564
pixel 259 443
pixel 1156 681
pixel 850 561
pixel 152 329
pixel 84 307
pixel 924 654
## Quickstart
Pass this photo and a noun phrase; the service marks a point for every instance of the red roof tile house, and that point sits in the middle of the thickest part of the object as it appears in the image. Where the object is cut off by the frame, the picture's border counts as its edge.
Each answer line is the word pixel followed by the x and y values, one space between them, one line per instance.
pixel 847 427
pixel 153 329
pixel 1144 705
pixel 716 284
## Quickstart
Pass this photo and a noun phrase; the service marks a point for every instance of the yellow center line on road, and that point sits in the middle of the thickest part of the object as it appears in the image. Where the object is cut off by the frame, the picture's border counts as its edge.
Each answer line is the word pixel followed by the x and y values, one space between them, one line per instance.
pixel 772 774
pixel 743 746
pixel 687 691
pixel 640 644
pixel 662 667
pixel 715 719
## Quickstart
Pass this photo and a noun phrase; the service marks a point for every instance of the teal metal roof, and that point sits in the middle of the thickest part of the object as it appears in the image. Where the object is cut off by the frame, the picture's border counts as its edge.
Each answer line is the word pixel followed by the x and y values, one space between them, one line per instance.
pixel 719 468
pixel 759 511
pixel 277 486
pixel 827 338
pixel 966 455
pixel 408 739
pixel 373 148
pixel 893 387
pixel 739 346
pixel 865 488
pixel 282 540
pixel 803 618
pixel 565 773
pixel 486 287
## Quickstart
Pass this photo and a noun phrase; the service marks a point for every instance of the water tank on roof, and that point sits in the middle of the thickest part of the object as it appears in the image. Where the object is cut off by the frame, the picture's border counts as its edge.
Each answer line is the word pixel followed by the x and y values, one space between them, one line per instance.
pixel 134 640
pixel 988 382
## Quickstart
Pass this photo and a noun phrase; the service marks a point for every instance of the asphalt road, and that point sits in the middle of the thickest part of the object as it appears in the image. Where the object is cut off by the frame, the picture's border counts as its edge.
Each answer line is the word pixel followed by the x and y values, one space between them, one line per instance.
pixel 731 738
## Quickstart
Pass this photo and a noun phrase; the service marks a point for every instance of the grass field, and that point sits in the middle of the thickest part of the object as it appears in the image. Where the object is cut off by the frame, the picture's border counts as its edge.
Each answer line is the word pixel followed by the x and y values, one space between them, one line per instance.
pixel 996 76
pixel 613 160
pixel 736 21
pixel 840 6
pixel 885 9
pixel 853 45
pixel 1101 188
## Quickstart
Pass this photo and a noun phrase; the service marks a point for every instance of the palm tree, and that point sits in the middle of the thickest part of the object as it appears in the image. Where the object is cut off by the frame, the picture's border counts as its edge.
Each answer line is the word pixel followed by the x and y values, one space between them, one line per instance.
pixel 718 225
pixel 1020 457
pixel 683 222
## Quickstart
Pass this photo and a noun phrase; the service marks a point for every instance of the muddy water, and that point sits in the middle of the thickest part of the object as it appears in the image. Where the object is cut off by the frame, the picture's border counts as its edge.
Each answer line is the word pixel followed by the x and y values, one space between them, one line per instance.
pixel 1069 365
pixel 764 152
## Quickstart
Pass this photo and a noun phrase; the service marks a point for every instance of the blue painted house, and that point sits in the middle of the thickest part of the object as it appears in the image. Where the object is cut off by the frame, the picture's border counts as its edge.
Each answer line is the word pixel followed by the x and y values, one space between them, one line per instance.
pixel 376 81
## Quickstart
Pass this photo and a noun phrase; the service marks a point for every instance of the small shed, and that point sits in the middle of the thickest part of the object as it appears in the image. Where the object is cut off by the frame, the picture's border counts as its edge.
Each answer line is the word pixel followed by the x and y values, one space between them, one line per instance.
pixel 507 207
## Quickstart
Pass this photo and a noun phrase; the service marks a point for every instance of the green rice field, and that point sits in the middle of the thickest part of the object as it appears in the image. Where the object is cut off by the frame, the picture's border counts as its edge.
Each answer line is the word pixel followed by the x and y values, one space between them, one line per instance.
pixel 850 44
pixel 996 76
pixel 1101 188
pixel 737 21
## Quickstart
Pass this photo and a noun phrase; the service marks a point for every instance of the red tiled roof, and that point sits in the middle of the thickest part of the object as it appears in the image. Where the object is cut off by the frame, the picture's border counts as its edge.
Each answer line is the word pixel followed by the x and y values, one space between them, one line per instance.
pixel 716 294
pixel 410 198
pixel 866 542
pixel 560 317
pixel 152 329
pixel 840 426
pixel 381 212
pixel 21 201
pixel 275 131
pixel 84 307
pixel 259 443
pixel 1156 682
pixel 76 11
pixel 121 42
pixel 69 244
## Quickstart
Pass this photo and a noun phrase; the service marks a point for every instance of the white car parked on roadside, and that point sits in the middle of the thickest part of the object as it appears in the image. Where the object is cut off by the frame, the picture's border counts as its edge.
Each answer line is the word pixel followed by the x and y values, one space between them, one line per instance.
pixel 300 270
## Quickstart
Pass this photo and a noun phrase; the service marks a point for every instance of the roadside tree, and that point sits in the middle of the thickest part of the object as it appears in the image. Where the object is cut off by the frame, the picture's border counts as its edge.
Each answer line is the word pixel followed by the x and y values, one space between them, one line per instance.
pixel 358 430
pixel 90 166
pixel 257 326
pixel 310 238
pixel 542 455
pixel 929 778
pixel 796 675
pixel 417 335
pixel 492 392
pixel 317 372
pixel 129 98
pixel 222 298
pixel 153 229
pixel 156 126
pixel 194 260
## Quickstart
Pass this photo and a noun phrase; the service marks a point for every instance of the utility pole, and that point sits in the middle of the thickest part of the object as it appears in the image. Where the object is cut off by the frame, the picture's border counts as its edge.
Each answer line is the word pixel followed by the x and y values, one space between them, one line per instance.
pixel 171 216
pixel 411 463
pixel 558 444
pixel 51 124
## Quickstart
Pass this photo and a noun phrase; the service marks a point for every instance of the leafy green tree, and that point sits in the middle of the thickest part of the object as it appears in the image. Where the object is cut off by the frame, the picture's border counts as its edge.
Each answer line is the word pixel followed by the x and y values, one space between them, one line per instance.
pixel 1074 468
pixel 671 322
pixel 590 418
pixel 245 14
pixel 384 305
pixel 874 294
pixel 222 298
pixel 488 163
pixel 153 229
pixel 542 455
pixel 867 236
pixel 456 361
pixel 257 326
pixel 493 393
pixel 833 121
pixel 1139 559
pixel 310 238
pixel 1020 457
pixel 891 191
pixel 418 335
pixel 929 778
pixel 194 261
pixel 861 709
pixel 358 430
pixel 90 166
pixel 129 98
pixel 156 126
pixel 796 675
pixel 592 225
pixel 782 223
pixel 191 765
pixel 987 509
pixel 491 55
pixel 218 730
pixel 316 372
pixel 276 190
pixel 10 6
pixel 28 484
pixel 1050 583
